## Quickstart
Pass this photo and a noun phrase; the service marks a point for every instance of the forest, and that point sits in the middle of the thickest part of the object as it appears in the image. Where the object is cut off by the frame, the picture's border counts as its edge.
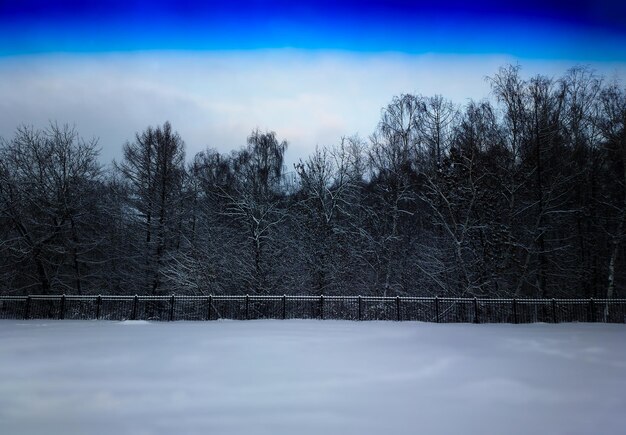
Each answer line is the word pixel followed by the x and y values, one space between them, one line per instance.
pixel 522 194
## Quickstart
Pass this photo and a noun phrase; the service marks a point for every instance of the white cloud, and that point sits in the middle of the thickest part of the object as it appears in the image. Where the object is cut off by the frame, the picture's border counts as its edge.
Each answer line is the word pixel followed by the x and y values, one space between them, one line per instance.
pixel 217 98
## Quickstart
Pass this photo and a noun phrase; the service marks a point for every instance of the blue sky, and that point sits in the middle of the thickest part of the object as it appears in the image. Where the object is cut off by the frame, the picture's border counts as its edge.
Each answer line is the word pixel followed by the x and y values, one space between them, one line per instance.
pixel 545 29
pixel 310 70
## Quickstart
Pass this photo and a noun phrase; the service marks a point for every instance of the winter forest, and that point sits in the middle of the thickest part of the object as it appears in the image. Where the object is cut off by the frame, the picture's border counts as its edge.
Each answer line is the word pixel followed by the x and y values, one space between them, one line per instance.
pixel 521 194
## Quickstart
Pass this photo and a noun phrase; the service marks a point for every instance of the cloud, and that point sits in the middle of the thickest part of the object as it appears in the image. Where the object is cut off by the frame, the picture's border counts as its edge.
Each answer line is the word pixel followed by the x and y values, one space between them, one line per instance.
pixel 216 98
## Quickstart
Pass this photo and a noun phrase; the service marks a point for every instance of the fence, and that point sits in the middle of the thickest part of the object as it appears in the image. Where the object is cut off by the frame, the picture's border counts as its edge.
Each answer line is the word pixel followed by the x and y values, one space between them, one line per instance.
pixel 443 310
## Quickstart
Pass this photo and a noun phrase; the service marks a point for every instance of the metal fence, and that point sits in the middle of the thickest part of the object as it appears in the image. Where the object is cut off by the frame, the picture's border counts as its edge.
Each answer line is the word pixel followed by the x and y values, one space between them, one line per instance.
pixel 440 310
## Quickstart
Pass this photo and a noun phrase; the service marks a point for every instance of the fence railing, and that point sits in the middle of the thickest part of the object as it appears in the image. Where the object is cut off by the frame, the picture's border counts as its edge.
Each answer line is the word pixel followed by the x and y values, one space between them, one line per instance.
pixel 441 310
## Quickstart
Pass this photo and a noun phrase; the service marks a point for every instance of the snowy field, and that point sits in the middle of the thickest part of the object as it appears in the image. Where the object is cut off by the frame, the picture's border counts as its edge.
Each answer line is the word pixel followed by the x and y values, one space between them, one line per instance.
pixel 310 377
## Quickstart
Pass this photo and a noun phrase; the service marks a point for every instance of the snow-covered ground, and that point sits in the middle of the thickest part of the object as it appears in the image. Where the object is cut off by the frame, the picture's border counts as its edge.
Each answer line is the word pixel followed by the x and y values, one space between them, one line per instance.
pixel 310 377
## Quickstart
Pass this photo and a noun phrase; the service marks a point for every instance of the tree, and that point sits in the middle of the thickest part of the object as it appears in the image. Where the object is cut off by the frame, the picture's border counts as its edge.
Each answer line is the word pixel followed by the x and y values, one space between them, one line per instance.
pixel 394 163
pixel 539 185
pixel 254 203
pixel 204 261
pixel 324 203
pixel 437 126
pixel 613 126
pixel 582 135
pixel 49 184
pixel 153 169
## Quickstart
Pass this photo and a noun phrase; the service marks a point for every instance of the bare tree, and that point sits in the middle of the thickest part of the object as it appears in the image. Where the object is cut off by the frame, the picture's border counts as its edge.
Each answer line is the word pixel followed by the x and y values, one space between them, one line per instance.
pixel 153 169
pixel 203 264
pixel 613 126
pixel 49 181
pixel 393 160
pixel 437 126
pixel 254 201
pixel 325 186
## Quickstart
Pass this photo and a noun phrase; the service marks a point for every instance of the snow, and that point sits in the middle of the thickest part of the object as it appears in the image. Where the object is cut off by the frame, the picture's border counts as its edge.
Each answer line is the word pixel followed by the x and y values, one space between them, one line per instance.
pixel 310 377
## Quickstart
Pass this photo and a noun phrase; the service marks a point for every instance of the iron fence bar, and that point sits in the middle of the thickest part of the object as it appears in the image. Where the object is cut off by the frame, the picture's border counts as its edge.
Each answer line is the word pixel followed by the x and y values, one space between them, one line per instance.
pixel 476 315
pixel 98 305
pixel 398 316
pixel 172 301
pixel 135 300
pixel 247 307
pixel 62 308
pixel 27 309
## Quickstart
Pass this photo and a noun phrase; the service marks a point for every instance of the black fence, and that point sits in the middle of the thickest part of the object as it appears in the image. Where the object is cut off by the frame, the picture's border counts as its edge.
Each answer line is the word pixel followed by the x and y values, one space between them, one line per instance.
pixel 441 310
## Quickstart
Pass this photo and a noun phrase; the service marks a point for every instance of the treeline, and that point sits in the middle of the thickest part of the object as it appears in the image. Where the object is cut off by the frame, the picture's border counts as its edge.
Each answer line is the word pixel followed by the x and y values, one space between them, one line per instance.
pixel 520 195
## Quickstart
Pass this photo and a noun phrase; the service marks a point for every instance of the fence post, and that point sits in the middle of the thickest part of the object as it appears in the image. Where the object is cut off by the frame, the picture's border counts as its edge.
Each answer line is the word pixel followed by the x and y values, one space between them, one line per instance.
pixel 515 311
pixel 360 308
pixel 247 307
pixel 98 305
pixel 172 308
pixel 398 315
pixel 210 306
pixel 554 310
pixel 476 318
pixel 592 310
pixel 62 310
pixel 27 310
pixel 284 307
pixel 322 307
pixel 437 309
pixel 135 301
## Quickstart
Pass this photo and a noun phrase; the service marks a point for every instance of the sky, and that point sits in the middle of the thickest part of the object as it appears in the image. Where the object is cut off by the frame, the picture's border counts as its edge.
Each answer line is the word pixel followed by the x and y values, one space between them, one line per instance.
pixel 312 71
